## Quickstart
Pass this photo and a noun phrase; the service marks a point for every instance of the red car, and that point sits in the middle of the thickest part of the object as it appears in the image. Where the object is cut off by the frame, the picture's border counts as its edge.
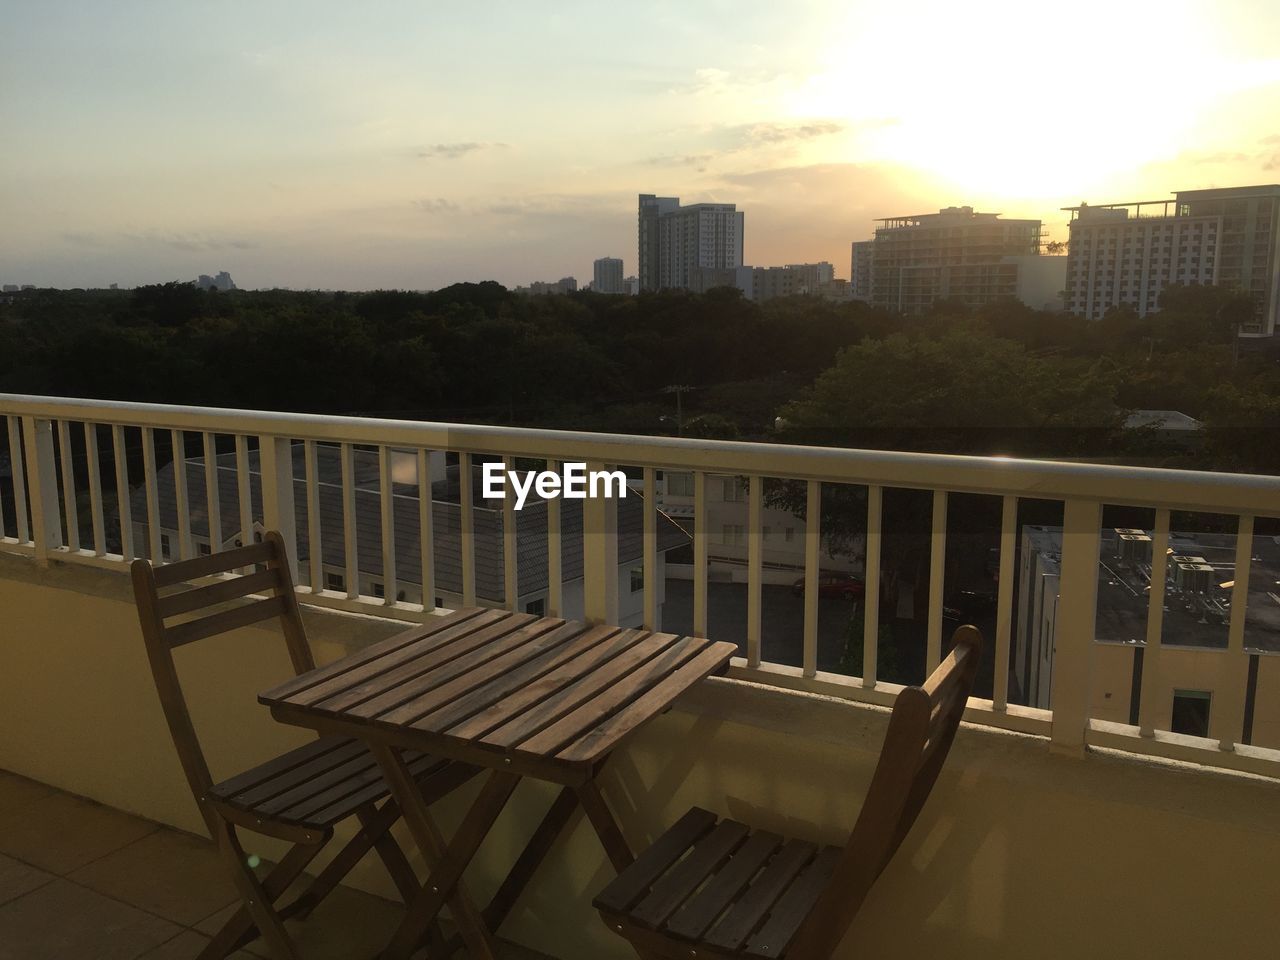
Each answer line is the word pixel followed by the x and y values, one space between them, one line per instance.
pixel 842 585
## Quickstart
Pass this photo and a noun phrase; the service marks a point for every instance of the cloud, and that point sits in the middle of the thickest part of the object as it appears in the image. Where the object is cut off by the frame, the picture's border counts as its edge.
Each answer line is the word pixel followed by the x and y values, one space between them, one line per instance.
pixel 436 205
pixel 454 151
pixel 699 160
pixel 771 134
pixel 84 239
pixel 191 242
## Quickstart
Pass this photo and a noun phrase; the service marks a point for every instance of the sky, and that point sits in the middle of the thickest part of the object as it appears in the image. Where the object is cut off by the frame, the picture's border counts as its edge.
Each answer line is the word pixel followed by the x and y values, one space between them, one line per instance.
pixel 415 144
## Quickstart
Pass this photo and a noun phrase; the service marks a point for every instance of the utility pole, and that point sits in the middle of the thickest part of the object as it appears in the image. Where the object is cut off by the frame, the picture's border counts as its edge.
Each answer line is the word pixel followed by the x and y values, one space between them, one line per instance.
pixel 679 390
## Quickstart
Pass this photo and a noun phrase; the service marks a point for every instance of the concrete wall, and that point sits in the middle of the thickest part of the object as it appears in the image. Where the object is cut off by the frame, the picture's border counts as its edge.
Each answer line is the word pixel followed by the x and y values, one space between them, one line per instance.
pixel 1020 852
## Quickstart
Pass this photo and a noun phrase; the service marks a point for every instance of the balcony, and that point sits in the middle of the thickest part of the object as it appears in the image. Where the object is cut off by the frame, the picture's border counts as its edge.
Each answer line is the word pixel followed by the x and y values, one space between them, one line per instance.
pixel 1076 815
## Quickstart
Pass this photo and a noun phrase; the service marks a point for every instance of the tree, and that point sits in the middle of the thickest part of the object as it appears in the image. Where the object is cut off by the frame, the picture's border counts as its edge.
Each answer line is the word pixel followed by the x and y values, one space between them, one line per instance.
pixel 963 392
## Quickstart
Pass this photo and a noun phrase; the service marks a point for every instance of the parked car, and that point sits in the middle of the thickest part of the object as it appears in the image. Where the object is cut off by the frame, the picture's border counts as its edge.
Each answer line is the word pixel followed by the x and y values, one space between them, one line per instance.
pixel 968 606
pixel 841 585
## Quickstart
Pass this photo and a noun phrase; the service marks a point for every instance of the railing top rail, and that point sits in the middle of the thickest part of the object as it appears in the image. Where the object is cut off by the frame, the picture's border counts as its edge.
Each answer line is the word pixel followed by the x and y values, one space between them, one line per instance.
pixel 1047 479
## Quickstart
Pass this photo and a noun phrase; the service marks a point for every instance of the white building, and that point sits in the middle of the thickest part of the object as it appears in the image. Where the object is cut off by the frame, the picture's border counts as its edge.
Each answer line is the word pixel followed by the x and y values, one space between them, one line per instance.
pixel 607 275
pixel 676 242
pixel 1129 253
pixel 487 522
pixel 782 533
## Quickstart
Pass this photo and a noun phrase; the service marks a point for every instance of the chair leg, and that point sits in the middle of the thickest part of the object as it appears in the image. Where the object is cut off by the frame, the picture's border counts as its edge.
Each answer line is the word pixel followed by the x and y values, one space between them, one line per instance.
pixel 256 898
pixel 240 929
pixel 379 823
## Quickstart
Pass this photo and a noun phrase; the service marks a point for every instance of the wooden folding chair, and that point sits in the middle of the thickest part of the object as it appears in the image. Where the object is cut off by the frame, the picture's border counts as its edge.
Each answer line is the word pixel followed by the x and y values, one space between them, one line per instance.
pixel 299 796
pixel 712 888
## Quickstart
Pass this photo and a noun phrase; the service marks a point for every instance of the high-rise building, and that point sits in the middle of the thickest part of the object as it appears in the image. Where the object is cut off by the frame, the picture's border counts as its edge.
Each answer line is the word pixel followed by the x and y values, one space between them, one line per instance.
pixel 221 282
pixel 676 242
pixel 861 268
pixel 543 287
pixel 607 275
pixel 955 252
pixel 1129 253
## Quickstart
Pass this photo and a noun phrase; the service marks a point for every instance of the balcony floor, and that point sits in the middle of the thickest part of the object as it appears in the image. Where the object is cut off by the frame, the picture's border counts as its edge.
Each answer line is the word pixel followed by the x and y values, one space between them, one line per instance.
pixel 78 879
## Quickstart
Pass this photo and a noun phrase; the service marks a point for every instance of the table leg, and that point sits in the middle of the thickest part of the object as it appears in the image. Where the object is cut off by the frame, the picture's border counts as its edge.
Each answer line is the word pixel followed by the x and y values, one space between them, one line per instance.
pixel 611 838
pixel 446 863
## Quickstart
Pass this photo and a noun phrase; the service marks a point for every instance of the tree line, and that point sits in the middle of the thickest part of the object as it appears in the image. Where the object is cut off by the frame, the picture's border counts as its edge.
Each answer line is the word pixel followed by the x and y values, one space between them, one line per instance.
pixel 1000 379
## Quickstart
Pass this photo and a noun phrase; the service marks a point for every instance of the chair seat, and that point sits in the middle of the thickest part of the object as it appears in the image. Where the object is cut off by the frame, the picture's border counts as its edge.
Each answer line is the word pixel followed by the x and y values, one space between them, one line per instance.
pixel 314 786
pixel 717 884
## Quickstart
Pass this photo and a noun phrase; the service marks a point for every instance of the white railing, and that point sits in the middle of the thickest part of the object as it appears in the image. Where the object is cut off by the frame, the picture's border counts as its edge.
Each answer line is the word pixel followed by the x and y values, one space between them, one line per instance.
pixel 48 436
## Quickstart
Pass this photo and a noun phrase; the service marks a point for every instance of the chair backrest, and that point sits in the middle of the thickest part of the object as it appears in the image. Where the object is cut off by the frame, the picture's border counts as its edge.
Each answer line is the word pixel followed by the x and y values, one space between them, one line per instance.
pixel 921 729
pixel 190 605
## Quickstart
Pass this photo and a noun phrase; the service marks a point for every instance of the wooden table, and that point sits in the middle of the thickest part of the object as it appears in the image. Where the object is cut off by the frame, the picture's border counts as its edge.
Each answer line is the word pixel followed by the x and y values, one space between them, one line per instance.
pixel 513 694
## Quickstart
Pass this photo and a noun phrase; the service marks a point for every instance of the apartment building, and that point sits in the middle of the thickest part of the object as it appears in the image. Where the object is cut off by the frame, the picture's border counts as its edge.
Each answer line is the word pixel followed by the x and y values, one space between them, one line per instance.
pixel 607 275
pixel 675 242
pixel 794 279
pixel 1128 253
pixel 862 268
pixel 957 252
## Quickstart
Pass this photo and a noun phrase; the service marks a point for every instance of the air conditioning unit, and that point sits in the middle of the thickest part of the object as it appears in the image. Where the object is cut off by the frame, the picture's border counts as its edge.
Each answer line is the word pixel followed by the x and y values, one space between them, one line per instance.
pixel 1133 548
pixel 1193 577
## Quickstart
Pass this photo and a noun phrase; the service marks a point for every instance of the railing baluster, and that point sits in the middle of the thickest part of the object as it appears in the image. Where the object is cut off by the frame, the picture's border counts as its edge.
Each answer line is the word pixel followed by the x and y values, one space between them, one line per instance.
pixel 555 570
pixel 95 489
pixel 599 555
pixel 871 591
pixel 212 491
pixel 650 549
pixel 812 589
pixel 1004 601
pixel 426 534
pixel 46 532
pixel 510 571
pixel 1155 626
pixel 150 490
pixel 1075 628
pixel 121 454
pixel 1235 666
pixel 700 540
pixel 244 489
pixel 315 547
pixel 351 556
pixel 275 464
pixel 19 482
pixel 467 530
pixel 937 576
pixel 755 565
pixel 387 514
pixel 70 507
pixel 178 439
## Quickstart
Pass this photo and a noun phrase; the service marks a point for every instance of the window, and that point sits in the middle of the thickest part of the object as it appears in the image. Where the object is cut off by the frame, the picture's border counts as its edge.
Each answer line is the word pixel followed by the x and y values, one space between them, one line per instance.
pixel 205 550
pixel 535 607
pixel 680 484
pixel 378 589
pixel 789 534
pixel 637 579
pixel 1191 712
pixel 733 490
pixel 164 546
pixel 732 534
pixel 334 581
pixel 764 533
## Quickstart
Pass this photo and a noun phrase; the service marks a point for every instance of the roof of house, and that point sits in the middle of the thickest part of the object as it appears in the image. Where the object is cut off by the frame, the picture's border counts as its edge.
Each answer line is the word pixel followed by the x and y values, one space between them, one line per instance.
pixel 1161 420
pixel 531 524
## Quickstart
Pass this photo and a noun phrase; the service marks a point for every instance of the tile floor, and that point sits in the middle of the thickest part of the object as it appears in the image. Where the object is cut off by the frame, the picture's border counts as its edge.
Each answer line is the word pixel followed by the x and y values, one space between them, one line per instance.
pixel 80 881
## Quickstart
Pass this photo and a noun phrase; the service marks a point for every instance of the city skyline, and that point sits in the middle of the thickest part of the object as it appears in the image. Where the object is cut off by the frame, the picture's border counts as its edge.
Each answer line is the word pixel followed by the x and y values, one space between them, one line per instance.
pixel 411 148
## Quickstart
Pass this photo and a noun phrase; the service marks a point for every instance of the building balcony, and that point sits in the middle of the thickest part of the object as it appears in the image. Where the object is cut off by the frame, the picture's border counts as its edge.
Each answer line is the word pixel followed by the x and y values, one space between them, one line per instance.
pixel 1112 793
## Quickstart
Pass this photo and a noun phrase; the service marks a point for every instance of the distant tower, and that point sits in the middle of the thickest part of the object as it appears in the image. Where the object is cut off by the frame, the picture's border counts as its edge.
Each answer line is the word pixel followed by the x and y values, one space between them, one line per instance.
pixel 607 275
pixel 680 247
